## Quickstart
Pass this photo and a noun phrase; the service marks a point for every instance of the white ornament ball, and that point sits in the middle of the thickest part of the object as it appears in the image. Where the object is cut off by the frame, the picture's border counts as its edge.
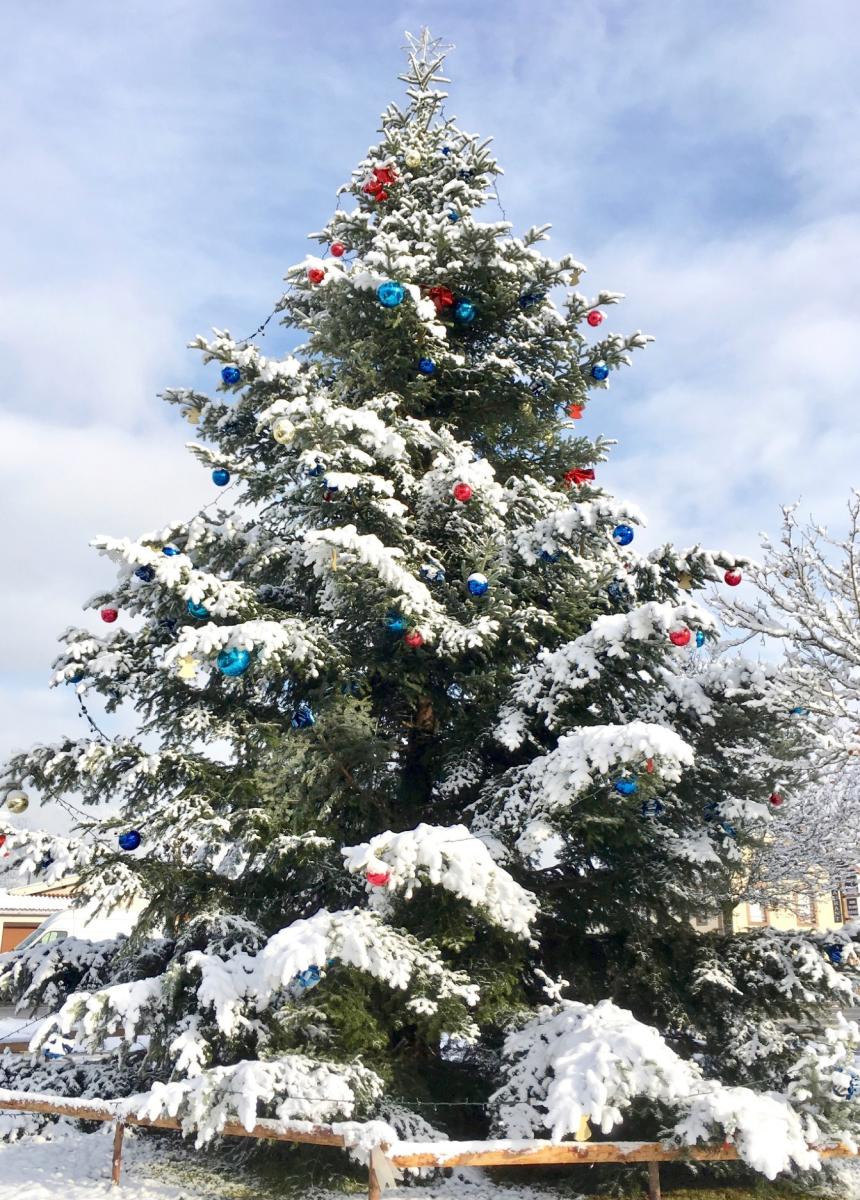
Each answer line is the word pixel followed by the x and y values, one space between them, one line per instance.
pixel 283 431
pixel 412 158
pixel 17 802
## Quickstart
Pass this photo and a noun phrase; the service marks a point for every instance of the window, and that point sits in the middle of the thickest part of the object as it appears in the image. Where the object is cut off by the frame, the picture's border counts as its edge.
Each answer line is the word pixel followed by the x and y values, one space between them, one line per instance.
pixel 756 914
pixel 851 906
pixel 849 884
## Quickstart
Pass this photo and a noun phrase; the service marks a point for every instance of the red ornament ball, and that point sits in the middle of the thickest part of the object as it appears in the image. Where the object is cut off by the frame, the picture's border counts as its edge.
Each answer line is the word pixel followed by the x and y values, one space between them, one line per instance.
pixel 680 637
pixel 414 638
pixel 576 411
pixel 462 492
pixel 378 878
pixel 442 297
pixel 338 249
pixel 109 615
pixel 316 274
pixel 595 318
pixel 776 799
pixel 733 577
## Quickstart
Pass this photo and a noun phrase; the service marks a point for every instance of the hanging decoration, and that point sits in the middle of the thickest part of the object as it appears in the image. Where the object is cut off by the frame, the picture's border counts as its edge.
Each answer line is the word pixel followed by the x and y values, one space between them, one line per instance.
pixel 595 318
pixel 220 476
pixel 600 371
pixel 231 375
pixel 338 249
pixel 462 492
pixel 283 431
pixel 233 661
pixel 622 535
pixel 390 293
pixel 147 574
pixel 626 787
pixel 680 637
pixel 733 577
pixel 303 717
pixel 442 297
pixel 465 312
pixel 413 639
pixel 199 611
pixel 477 584
pixel 109 615
pixel 17 801
pixel 578 476
pixel 426 366
pixel 129 840
pixel 316 274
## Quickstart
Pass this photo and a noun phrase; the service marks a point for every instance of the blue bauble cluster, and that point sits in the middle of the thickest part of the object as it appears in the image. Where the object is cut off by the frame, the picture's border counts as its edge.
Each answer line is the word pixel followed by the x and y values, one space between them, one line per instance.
pixel 622 535
pixel 478 584
pixel 231 376
pixel 426 366
pixel 233 661
pixel 199 611
pixel 700 638
pixel 220 476
pixel 303 717
pixel 432 574
pixel 390 293
pixel 396 622
pixel 170 551
pixel 626 787
pixel 147 574
pixel 129 840
pixel 652 808
pixel 465 312
pixel 600 371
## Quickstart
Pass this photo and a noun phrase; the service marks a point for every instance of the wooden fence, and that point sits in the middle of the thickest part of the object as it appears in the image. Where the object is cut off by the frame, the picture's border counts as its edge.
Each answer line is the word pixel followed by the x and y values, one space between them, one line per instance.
pixel 383 1159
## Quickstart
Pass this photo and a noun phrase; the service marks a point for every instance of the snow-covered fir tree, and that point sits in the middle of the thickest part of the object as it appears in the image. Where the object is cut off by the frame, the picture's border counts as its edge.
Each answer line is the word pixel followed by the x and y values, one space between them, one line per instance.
pixel 425 789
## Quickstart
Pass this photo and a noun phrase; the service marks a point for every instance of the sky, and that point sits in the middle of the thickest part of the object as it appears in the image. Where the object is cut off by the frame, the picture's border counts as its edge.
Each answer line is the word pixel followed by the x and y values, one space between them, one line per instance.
pixel 165 160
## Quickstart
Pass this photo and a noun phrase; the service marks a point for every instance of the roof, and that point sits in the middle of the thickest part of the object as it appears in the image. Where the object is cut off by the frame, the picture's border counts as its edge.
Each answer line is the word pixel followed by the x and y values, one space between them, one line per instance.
pixel 35 905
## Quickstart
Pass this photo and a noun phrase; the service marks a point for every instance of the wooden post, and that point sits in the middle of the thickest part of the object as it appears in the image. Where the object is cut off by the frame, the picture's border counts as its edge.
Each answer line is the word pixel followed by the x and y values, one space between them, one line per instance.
pixel 116 1162
pixel 374 1191
pixel 653 1181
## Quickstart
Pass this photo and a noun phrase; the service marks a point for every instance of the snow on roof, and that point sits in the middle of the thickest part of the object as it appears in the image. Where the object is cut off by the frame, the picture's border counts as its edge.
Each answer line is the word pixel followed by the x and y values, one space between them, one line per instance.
pixel 10 903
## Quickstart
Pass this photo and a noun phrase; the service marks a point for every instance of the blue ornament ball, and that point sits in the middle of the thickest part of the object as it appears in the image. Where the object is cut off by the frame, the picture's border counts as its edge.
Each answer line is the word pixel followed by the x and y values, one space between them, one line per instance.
pixel 220 476
pixel 432 574
pixel 600 371
pixel 834 953
pixel 453 215
pixel 446 150
pixel 426 366
pixel 390 293
pixel 317 470
pixel 308 978
pixel 626 787
pixel 129 840
pixel 799 711
pixel 622 535
pixel 728 830
pixel 550 556
pixel 147 574
pixel 233 661
pixel 652 808
pixel 231 375
pixel 530 299
pixel 396 622
pixel 465 312
pixel 303 717
pixel 199 611
pixel 615 592
pixel 700 638
pixel 170 551
pixel 478 584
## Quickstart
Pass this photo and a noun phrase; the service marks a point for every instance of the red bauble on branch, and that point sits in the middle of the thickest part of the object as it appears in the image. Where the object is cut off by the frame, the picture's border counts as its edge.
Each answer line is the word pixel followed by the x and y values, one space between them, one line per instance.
pixel 316 274
pixel 338 249
pixel 680 637
pixel 414 638
pixel 776 799
pixel 442 297
pixel 575 411
pixel 109 615
pixel 578 475
pixel 378 878
pixel 462 492
pixel 595 318
pixel 733 577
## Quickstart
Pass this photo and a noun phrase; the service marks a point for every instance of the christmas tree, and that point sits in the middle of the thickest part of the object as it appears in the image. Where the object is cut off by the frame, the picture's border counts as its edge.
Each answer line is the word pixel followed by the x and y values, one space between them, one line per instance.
pixel 433 768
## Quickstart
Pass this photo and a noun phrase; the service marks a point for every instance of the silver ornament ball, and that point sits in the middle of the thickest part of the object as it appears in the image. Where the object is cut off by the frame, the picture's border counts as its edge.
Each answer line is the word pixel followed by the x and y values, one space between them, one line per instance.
pixel 17 802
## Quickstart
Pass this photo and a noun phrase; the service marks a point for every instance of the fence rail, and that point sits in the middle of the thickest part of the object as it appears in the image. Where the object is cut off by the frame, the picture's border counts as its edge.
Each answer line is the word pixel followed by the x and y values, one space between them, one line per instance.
pixel 384 1159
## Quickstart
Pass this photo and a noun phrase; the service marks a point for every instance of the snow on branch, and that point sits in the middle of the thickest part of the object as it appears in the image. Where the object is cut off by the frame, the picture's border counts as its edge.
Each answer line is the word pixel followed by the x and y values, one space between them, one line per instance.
pixel 452 858
pixel 559 673
pixel 295 1087
pixel 553 781
pixel 576 1061
pixel 587 516
pixel 247 983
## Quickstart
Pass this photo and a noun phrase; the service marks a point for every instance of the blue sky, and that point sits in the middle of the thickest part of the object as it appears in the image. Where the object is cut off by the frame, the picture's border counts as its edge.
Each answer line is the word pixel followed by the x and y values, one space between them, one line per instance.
pixel 163 162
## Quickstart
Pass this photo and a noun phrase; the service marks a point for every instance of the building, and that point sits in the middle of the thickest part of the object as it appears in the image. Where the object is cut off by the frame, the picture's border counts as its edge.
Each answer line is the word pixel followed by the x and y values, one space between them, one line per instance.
pixel 807 910
pixel 23 910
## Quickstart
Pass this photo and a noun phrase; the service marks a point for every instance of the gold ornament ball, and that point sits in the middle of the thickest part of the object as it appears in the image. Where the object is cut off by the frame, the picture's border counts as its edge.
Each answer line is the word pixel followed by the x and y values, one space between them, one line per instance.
pixel 283 431
pixel 412 158
pixel 17 802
